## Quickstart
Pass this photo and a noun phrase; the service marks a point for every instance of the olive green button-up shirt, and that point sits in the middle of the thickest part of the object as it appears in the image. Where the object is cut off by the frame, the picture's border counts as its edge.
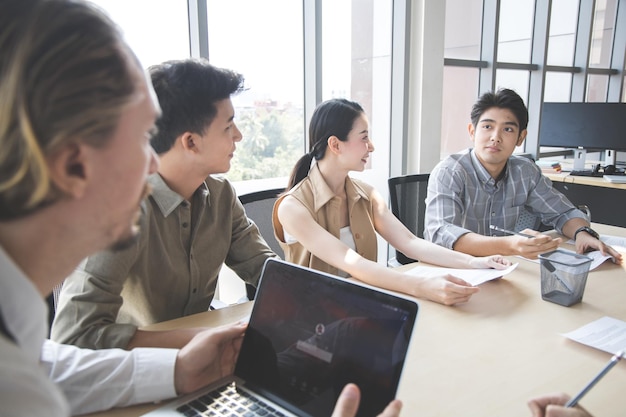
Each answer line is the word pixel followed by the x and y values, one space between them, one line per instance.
pixel 170 272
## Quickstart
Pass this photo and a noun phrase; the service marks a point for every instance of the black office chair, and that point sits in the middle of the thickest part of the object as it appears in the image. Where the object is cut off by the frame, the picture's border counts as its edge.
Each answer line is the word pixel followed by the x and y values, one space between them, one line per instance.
pixel 408 203
pixel 259 206
pixel 527 220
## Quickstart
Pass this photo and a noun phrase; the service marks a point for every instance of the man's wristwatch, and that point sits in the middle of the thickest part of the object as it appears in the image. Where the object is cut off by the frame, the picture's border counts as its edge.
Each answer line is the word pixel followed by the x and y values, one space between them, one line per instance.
pixel 588 230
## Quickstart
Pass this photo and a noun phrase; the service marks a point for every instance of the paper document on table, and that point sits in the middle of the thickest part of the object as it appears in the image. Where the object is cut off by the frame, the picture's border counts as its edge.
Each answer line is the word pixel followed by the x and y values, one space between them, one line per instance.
pixel 597 259
pixel 618 243
pixel 473 276
pixel 607 334
pixel 596 256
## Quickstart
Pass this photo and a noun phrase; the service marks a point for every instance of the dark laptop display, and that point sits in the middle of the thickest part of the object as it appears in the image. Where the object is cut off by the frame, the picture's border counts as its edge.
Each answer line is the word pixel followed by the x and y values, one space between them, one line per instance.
pixel 310 334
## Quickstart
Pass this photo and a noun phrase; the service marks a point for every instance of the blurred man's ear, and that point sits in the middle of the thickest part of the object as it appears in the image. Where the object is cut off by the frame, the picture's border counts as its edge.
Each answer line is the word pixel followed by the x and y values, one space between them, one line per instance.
pixel 68 169
pixel 189 141
pixel 522 137
pixel 471 130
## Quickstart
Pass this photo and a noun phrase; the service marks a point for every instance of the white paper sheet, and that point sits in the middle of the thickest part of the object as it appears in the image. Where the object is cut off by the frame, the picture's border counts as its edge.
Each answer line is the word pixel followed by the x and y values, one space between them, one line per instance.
pixel 618 243
pixel 597 259
pixel 607 334
pixel 473 276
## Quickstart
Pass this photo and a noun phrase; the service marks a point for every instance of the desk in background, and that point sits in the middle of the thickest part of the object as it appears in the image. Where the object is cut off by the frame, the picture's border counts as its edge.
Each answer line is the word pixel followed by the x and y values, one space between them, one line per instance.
pixel 606 200
pixel 489 356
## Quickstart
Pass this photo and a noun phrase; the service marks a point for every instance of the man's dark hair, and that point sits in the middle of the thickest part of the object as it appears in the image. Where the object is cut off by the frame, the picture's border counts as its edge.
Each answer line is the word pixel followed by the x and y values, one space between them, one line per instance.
pixel 504 99
pixel 187 91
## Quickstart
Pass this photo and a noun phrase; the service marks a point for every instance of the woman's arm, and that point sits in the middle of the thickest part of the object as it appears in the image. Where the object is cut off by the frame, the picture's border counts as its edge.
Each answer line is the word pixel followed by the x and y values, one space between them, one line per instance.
pixel 297 221
pixel 401 238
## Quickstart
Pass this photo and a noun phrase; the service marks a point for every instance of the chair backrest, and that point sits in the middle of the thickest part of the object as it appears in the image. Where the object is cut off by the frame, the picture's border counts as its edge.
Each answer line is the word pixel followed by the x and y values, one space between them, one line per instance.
pixel 259 206
pixel 408 203
pixel 527 220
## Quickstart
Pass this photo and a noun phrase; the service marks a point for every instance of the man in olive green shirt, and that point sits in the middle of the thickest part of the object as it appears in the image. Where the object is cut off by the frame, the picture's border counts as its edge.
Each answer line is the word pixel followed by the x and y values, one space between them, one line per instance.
pixel 191 224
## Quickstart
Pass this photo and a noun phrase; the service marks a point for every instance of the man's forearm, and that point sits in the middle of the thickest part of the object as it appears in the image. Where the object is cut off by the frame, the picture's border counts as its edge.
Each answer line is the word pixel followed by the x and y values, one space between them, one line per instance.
pixel 570 227
pixel 163 338
pixel 479 245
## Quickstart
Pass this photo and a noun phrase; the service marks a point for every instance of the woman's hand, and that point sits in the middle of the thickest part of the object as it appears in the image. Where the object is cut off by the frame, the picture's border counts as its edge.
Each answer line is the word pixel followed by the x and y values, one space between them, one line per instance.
pixel 445 289
pixel 493 261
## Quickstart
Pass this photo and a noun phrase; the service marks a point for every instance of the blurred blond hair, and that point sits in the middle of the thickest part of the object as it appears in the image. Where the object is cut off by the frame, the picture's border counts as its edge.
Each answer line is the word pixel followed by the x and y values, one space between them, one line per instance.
pixel 65 77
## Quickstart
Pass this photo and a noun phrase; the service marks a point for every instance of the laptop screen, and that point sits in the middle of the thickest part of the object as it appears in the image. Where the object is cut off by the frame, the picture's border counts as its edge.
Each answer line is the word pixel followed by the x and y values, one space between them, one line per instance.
pixel 310 334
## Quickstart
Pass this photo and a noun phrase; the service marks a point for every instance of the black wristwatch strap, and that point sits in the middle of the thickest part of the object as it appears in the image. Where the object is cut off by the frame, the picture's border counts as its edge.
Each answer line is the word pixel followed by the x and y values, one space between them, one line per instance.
pixel 588 230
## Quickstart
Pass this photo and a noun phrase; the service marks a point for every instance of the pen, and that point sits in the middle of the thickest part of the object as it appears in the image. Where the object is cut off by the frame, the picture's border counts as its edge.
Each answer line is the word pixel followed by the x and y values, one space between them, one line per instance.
pixel 499 229
pixel 619 355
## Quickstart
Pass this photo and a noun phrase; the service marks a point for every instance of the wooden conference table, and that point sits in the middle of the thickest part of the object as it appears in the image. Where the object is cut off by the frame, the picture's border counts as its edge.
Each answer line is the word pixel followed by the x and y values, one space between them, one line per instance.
pixel 489 356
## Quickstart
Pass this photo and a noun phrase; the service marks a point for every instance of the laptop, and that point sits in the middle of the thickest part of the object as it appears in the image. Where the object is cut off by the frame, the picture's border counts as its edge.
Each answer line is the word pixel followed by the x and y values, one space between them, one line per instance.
pixel 310 334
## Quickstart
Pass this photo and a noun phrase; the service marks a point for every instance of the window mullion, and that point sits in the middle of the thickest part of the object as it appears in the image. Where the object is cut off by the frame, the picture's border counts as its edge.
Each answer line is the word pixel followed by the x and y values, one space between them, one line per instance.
pixel 489 47
pixel 618 58
pixel 582 51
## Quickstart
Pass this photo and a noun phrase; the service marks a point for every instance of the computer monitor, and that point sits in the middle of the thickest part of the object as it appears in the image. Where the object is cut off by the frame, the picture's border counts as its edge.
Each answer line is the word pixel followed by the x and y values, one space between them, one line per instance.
pixel 589 126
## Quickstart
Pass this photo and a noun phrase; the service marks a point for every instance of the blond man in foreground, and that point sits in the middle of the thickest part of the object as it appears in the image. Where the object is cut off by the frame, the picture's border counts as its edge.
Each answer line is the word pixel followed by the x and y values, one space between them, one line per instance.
pixel 76 112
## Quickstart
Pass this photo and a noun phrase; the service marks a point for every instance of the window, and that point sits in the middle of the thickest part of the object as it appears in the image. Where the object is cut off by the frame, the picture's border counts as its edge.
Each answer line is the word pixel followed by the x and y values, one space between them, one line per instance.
pixel 515 30
pixel 602 38
pixel 463 29
pixel 356 64
pixel 515 80
pixel 557 87
pixel 597 88
pixel 250 37
pixel 460 85
pixel 569 57
pixel 462 42
pixel 267 47
pixel 149 40
pixel 562 38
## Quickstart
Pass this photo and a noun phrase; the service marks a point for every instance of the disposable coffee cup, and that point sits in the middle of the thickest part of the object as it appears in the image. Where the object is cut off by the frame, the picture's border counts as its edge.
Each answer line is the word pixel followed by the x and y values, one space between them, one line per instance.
pixel 563 276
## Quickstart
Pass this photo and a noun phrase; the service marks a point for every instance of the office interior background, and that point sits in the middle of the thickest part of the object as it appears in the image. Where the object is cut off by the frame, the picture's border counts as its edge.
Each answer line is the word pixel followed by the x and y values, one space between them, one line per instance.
pixel 415 66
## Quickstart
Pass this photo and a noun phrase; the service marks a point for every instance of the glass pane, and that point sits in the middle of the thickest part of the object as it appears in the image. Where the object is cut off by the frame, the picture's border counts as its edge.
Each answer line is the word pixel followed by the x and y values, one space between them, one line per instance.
pixel 515 80
pixel 597 88
pixel 562 38
pixel 337 49
pixel 356 63
pixel 148 40
pixel 515 30
pixel 460 90
pixel 602 35
pixel 463 29
pixel 558 87
pixel 266 47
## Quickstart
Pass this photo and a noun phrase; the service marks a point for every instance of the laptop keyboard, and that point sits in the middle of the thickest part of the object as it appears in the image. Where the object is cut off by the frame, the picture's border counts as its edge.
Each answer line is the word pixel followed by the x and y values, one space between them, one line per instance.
pixel 228 401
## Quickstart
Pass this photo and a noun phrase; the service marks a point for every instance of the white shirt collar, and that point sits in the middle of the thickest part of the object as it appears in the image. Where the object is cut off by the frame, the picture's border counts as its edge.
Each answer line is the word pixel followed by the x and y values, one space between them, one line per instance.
pixel 24 312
